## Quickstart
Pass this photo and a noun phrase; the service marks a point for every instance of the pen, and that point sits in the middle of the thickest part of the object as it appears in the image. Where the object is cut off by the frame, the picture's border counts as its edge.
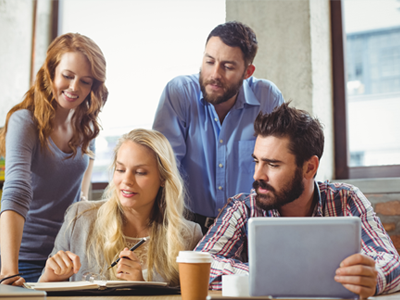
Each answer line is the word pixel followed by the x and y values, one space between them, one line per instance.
pixel 12 276
pixel 133 248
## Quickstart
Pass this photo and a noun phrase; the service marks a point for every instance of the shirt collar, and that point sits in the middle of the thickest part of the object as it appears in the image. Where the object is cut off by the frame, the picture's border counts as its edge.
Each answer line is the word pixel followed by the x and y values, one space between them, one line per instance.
pixel 246 96
pixel 317 198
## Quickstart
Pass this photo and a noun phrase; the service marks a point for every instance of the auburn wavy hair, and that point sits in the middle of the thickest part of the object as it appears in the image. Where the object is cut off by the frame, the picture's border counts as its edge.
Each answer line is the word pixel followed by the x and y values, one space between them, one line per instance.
pixel 40 101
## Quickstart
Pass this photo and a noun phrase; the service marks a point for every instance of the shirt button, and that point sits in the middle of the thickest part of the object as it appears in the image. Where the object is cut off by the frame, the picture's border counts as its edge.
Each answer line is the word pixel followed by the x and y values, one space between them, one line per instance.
pixel 220 188
pixel 221 141
pixel 220 165
pixel 216 120
pixel 219 209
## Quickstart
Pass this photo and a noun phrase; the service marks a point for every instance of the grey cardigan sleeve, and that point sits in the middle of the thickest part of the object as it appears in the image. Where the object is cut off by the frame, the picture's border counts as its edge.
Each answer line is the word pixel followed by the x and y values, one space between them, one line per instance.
pixel 21 143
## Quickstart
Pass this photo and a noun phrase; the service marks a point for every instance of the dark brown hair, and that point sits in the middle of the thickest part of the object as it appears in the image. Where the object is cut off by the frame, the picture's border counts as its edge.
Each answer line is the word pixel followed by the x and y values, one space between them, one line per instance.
pixel 236 34
pixel 304 132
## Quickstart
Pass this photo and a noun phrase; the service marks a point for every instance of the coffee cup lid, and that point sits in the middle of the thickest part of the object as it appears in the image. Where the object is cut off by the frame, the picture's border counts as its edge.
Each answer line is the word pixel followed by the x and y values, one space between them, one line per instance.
pixel 193 257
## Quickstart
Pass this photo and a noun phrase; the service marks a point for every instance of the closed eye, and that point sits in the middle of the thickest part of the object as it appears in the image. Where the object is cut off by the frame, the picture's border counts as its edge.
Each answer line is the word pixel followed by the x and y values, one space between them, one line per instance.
pixel 67 77
pixel 85 82
pixel 119 170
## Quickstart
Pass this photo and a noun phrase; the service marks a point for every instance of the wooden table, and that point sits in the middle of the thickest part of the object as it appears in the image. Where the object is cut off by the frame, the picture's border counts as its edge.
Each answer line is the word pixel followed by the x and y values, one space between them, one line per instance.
pixel 395 296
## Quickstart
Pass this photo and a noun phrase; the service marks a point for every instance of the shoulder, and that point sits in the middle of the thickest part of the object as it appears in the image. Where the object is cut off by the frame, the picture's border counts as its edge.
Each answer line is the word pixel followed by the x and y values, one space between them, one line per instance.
pixel 83 209
pixel 242 199
pixel 184 83
pixel 262 84
pixel 191 225
pixel 343 196
pixel 194 232
pixel 22 117
pixel 336 187
pixel 266 92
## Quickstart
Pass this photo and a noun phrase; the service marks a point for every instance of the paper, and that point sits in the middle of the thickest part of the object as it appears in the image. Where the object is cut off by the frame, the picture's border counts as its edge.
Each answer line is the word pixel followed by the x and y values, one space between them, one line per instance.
pixel 235 285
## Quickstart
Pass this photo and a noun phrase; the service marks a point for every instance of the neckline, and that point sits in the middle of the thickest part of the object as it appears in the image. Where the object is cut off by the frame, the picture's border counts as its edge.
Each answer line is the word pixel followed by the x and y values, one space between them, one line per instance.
pixel 58 149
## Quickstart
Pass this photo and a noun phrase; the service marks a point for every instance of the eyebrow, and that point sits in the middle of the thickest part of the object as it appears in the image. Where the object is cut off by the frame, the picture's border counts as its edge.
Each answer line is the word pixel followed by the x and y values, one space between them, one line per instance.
pixel 273 161
pixel 140 165
pixel 224 61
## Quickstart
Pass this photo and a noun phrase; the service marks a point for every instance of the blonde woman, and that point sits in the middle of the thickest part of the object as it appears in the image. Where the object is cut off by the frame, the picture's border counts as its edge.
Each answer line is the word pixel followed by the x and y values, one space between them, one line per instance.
pixel 144 199
pixel 47 141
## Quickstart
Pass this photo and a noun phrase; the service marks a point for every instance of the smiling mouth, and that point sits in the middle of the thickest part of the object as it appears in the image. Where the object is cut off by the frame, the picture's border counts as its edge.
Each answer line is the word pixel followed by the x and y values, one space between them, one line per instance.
pixel 70 97
pixel 128 193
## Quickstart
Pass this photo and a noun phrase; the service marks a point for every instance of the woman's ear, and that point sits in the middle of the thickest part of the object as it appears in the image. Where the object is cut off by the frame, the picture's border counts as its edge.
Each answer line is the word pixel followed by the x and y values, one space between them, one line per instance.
pixel 310 167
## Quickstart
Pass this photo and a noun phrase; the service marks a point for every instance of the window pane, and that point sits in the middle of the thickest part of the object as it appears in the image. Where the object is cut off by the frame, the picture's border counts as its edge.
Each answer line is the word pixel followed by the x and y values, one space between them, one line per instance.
pixel 146 43
pixel 373 81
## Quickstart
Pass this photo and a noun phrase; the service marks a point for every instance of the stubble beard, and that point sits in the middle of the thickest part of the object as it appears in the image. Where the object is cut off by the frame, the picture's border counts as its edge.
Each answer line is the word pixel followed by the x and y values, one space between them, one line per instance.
pixel 229 90
pixel 275 200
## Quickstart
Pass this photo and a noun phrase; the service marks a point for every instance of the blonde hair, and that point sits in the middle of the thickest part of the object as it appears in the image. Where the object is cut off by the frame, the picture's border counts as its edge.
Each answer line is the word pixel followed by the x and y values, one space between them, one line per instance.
pixel 40 101
pixel 168 230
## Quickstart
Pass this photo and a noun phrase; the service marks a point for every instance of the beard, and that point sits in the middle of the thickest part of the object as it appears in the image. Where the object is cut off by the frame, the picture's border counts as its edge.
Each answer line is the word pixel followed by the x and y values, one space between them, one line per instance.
pixel 230 90
pixel 274 200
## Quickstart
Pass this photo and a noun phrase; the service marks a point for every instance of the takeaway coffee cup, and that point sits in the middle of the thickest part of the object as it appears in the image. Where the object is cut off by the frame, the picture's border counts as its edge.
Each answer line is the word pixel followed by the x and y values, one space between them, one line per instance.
pixel 194 274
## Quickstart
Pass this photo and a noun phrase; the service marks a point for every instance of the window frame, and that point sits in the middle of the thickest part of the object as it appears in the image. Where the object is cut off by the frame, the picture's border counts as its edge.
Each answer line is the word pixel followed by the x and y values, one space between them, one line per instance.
pixel 342 154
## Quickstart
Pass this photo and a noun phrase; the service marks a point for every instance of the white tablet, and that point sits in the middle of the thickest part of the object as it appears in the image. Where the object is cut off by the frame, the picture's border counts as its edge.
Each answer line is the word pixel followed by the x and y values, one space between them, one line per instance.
pixel 10 292
pixel 298 257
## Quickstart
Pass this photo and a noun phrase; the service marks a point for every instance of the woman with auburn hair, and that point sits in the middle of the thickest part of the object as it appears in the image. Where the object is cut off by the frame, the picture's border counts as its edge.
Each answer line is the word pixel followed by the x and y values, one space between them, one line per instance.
pixel 47 141
pixel 145 199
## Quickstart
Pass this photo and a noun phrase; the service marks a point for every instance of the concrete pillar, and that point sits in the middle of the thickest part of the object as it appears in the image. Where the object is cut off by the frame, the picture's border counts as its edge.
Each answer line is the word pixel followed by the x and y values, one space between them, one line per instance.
pixel 43 32
pixel 295 53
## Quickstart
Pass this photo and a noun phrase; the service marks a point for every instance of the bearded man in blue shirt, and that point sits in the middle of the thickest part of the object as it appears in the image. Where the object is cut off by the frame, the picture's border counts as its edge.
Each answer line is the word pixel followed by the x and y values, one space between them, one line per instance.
pixel 208 119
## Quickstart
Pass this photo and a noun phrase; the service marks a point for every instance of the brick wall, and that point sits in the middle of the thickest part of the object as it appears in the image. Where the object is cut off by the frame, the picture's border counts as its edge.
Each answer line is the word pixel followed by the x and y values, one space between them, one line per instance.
pixel 387 207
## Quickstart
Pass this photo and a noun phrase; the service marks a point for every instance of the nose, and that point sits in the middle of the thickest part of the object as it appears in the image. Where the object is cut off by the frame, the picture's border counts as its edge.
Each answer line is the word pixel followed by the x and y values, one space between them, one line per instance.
pixel 74 84
pixel 259 173
pixel 216 71
pixel 128 179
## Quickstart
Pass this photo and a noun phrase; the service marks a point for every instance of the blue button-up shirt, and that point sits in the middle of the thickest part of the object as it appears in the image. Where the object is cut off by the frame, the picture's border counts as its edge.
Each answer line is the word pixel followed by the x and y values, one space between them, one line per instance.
pixel 215 159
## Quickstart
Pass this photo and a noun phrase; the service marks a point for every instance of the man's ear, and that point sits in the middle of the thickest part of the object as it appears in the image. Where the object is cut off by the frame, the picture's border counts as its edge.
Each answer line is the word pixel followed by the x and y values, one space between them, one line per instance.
pixel 249 71
pixel 310 167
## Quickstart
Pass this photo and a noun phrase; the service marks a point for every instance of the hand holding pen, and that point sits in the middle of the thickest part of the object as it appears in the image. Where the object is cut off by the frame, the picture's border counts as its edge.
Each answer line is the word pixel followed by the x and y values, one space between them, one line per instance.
pixel 128 264
pixel 15 279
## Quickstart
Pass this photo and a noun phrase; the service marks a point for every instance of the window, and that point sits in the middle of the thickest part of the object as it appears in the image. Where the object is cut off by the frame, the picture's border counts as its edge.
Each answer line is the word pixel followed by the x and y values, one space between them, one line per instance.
pixel 146 43
pixel 366 66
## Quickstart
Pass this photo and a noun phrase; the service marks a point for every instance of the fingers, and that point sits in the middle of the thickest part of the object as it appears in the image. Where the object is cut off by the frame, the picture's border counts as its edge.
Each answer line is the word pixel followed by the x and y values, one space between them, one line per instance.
pixel 18 281
pixel 363 292
pixel 129 266
pixel 358 259
pixel 63 263
pixel 357 273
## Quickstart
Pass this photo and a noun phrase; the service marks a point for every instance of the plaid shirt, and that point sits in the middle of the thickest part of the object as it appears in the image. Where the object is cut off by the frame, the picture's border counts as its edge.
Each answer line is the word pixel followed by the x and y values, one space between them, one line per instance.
pixel 226 240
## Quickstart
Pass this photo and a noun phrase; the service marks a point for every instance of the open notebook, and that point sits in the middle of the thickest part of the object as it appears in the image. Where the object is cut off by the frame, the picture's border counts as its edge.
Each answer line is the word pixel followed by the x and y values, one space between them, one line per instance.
pixel 110 287
pixel 87 285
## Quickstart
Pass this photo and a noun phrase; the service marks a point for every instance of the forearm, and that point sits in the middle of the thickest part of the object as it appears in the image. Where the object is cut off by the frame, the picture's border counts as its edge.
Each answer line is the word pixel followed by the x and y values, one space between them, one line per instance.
pixel 12 225
pixel 87 178
pixel 223 266
pixel 388 267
